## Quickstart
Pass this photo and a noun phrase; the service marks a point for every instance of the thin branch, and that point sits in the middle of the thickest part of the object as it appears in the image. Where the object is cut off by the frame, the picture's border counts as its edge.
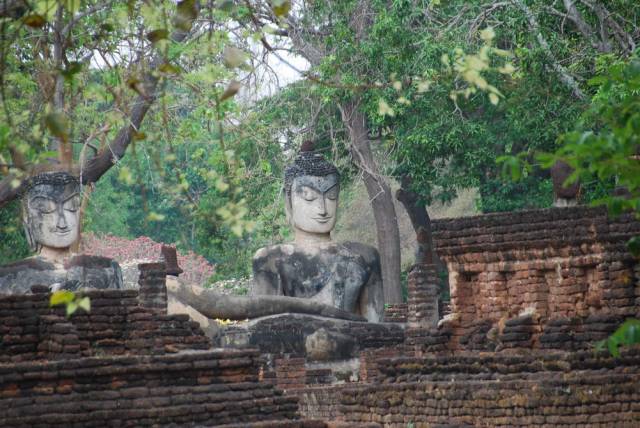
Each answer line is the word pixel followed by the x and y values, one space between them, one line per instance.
pixel 100 6
pixel 97 166
pixel 565 76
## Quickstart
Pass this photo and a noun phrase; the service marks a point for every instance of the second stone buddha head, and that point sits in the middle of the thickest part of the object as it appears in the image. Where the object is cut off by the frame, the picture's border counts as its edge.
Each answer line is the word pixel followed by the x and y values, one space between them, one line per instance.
pixel 311 187
pixel 50 208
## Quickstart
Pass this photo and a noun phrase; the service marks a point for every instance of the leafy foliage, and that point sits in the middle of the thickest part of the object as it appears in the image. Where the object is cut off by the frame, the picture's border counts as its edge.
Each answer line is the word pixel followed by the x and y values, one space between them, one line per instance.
pixel 72 301
pixel 604 147
pixel 13 245
pixel 626 335
pixel 606 143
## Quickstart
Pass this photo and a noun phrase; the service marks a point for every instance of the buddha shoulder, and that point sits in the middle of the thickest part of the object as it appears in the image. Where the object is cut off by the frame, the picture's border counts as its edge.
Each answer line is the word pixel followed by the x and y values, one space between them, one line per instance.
pixel 367 252
pixel 266 256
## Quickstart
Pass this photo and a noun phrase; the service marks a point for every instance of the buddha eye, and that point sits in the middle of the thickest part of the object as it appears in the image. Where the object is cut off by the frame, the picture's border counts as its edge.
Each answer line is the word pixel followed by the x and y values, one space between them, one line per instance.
pixel 332 193
pixel 308 194
pixel 72 204
pixel 43 205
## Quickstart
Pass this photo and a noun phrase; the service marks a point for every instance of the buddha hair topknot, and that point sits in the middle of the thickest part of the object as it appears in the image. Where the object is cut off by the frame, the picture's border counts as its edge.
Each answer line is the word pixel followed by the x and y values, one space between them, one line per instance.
pixel 308 162
pixel 58 178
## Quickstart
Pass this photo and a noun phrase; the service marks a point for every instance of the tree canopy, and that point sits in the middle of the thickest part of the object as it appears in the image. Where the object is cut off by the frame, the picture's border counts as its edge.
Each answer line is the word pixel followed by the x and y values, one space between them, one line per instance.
pixel 168 109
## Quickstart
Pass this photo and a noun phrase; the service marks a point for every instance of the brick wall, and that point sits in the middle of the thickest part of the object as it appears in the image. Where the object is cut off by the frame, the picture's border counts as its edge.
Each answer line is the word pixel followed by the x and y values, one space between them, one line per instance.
pixel 396 312
pixel 555 279
pixel 551 389
pixel 116 324
pixel 197 387
pixel 127 363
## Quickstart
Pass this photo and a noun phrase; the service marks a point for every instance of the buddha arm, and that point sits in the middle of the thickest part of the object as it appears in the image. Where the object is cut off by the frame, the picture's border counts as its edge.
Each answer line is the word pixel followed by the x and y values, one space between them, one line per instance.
pixel 266 280
pixel 216 305
pixel 371 300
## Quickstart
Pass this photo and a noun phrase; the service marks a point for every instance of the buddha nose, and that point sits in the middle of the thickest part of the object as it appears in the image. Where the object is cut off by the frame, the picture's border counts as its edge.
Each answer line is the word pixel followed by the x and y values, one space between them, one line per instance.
pixel 62 221
pixel 322 207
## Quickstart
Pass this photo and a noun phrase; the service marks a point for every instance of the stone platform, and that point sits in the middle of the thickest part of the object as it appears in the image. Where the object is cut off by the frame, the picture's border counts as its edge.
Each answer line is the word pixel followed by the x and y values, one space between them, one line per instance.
pixel 312 337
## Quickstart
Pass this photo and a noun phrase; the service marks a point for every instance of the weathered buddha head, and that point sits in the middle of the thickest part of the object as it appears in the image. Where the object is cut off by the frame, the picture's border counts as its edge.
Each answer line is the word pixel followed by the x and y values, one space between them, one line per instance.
pixel 50 209
pixel 311 187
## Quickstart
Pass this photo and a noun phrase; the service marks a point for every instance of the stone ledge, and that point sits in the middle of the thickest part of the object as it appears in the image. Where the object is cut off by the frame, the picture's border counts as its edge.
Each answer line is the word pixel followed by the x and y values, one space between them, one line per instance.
pixel 291 334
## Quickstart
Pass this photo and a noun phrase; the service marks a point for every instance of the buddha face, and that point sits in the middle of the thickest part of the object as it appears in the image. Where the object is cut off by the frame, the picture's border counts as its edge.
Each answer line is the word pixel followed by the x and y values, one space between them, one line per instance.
pixel 314 202
pixel 52 213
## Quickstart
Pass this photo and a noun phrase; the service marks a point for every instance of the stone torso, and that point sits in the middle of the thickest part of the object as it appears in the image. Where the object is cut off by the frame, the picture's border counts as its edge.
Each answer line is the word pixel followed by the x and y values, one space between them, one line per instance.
pixel 333 274
pixel 77 272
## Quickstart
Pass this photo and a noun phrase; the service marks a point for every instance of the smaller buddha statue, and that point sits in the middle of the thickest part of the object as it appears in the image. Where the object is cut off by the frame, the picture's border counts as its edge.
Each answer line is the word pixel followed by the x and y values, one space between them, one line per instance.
pixel 564 196
pixel 344 275
pixel 51 208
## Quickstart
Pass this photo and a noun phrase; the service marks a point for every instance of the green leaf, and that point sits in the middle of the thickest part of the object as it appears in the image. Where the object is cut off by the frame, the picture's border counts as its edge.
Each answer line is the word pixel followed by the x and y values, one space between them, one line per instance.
pixel 58 124
pixel 597 81
pixel 136 84
pixel 155 36
pixel 107 27
pixel 627 334
pixel 71 308
pixel 85 304
pixel 61 297
pixel 125 175
pixel 34 21
pixel 72 6
pixel 280 7
pixel 154 216
pixel 47 9
pixel 231 90
pixel 74 67
pixel 546 159
pixel 169 68
pixel 187 12
pixel 634 246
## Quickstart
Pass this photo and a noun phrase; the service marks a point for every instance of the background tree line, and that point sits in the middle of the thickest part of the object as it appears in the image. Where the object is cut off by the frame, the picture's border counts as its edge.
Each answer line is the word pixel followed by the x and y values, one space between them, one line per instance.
pixel 425 93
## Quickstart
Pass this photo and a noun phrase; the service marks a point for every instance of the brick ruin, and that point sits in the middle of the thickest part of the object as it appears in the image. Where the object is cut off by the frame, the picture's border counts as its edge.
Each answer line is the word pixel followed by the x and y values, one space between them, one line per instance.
pixel 530 294
pixel 127 363
pixel 543 279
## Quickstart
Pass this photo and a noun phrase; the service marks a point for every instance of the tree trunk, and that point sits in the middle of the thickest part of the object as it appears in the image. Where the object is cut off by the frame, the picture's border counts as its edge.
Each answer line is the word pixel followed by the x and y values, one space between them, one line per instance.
pixel 60 144
pixel 388 235
pixel 425 253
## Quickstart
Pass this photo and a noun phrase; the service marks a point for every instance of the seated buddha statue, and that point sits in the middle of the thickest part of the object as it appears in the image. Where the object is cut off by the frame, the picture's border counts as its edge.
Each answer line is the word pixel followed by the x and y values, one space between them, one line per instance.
pixel 345 275
pixel 50 209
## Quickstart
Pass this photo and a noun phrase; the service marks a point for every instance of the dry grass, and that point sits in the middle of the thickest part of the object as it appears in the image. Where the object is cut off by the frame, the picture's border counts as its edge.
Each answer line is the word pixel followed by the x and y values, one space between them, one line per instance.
pixel 356 223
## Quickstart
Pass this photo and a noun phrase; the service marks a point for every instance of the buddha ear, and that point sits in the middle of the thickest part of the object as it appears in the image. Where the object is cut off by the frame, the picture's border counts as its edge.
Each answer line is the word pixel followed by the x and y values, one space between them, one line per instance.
pixel 33 245
pixel 287 207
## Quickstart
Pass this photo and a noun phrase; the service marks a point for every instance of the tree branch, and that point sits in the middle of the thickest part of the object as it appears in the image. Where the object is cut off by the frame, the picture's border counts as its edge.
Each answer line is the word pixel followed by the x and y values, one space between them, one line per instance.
pixel 102 5
pixel 565 76
pixel 97 166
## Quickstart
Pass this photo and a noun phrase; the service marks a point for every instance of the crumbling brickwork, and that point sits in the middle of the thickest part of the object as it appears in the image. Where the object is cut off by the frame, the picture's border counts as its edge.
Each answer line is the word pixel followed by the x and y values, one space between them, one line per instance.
pixel 116 325
pixel 203 387
pixel 530 292
pixel 123 364
pixel 551 389
pixel 153 286
pixel 396 312
pixel 555 278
